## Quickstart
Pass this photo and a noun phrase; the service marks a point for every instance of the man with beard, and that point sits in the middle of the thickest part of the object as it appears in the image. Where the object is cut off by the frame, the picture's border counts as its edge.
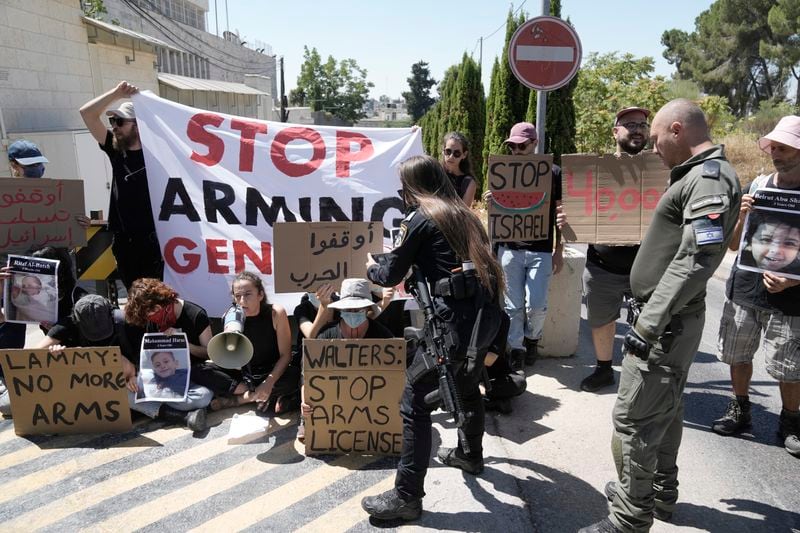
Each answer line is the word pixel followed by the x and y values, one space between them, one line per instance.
pixel 691 227
pixel 130 216
pixel 765 306
pixel 608 268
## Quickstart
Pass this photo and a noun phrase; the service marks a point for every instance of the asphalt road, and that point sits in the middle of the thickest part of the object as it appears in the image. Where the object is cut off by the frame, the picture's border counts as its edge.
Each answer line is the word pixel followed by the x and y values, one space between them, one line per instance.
pixel 546 465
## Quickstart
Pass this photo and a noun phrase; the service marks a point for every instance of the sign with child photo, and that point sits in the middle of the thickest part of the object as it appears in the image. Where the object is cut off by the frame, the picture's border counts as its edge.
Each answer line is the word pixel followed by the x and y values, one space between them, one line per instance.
pixel 78 390
pixel 32 290
pixel 163 368
pixel 771 236
pixel 354 387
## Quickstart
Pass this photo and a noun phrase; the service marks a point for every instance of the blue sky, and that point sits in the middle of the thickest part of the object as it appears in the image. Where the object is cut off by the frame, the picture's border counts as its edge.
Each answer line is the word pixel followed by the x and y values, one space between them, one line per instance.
pixel 386 38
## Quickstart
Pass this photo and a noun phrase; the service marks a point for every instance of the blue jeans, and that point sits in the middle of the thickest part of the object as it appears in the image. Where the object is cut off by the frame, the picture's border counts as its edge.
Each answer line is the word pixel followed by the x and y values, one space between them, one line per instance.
pixel 527 279
pixel 198 398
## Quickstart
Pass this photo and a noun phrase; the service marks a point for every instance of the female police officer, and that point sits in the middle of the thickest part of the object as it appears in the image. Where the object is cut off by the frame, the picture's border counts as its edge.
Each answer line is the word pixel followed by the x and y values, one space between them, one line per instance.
pixel 440 236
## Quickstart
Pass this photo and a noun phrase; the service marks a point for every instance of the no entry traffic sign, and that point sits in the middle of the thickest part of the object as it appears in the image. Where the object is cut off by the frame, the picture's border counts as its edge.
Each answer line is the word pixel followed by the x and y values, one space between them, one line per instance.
pixel 544 53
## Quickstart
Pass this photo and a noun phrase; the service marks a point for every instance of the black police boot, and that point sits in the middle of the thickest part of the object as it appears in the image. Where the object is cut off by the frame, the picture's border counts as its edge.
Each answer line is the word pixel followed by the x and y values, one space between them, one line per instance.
pixel 453 457
pixel 531 351
pixel 500 405
pixel 194 420
pixel 789 430
pixel 610 491
pixel 390 506
pixel 737 418
pixel 601 377
pixel 603 526
pixel 517 360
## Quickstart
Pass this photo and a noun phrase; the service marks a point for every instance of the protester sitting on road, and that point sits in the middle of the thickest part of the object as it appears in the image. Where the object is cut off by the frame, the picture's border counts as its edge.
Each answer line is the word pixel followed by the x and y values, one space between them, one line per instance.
pixel 155 306
pixel 456 162
pixel 269 376
pixel 354 305
pixel 95 322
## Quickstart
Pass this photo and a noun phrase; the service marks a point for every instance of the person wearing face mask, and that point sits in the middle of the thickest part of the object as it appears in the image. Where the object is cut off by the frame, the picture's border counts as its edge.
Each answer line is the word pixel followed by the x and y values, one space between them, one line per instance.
pixel 455 158
pixel 269 375
pixel 26 160
pixel 353 307
pixel 448 246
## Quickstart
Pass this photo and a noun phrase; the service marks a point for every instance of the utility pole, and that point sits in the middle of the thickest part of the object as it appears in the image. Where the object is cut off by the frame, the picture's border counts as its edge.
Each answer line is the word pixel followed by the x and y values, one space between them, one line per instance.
pixel 284 112
pixel 480 57
pixel 216 18
pixel 541 100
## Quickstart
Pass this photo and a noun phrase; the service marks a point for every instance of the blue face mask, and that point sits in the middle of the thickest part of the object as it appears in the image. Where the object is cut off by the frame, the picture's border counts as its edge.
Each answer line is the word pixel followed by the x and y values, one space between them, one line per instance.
pixel 313 299
pixel 33 171
pixel 354 318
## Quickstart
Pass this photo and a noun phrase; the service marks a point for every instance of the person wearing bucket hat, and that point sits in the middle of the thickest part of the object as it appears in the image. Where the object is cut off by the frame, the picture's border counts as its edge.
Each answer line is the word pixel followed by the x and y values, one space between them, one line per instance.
pixel 26 159
pixel 130 215
pixel 765 306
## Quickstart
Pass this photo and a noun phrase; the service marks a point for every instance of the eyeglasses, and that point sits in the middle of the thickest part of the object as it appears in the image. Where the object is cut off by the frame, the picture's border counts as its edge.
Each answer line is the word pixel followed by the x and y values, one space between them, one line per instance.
pixel 519 146
pixel 636 126
pixel 116 121
pixel 455 153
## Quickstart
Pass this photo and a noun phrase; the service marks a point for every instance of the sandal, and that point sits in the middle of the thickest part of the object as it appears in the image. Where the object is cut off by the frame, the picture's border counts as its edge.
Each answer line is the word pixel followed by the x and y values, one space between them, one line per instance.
pixel 224 402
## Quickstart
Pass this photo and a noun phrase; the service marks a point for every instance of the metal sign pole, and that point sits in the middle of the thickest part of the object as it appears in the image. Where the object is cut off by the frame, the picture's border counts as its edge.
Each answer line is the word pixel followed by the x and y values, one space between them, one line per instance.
pixel 541 99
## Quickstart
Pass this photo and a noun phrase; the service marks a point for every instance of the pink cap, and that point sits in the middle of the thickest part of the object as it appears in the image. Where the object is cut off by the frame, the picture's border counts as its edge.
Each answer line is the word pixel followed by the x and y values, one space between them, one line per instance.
pixel 625 111
pixel 787 132
pixel 522 132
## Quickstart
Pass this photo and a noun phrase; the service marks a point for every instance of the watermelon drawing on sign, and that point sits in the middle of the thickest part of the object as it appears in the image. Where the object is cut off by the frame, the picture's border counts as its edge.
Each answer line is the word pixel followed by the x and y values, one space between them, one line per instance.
pixel 516 201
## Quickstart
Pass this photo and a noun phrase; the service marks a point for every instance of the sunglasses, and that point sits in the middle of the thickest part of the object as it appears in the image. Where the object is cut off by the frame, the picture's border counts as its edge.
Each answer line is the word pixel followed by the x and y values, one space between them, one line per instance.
pixel 519 146
pixel 116 121
pixel 455 153
pixel 635 126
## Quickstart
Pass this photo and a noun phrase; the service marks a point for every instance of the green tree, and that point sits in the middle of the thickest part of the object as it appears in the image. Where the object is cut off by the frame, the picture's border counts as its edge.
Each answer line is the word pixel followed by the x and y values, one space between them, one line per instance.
pixel 606 84
pixel 724 53
pixel 784 47
pixel 336 88
pixel 418 98
pixel 469 112
pixel 508 98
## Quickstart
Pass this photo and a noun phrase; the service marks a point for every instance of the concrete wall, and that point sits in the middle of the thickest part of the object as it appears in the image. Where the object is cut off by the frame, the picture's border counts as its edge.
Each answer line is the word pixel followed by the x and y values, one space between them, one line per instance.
pixel 45 72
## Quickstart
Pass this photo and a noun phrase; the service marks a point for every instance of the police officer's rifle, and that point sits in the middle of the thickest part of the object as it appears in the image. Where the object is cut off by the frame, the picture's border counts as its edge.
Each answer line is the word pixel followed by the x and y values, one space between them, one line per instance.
pixel 437 343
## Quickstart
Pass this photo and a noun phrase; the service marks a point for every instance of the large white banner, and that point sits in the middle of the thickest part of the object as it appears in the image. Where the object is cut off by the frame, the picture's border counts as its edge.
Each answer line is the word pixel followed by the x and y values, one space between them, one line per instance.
pixel 219 182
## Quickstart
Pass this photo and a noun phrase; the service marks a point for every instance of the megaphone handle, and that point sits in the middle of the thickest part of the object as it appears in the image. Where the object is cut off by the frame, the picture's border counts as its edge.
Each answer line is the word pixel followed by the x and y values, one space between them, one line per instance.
pixel 247 374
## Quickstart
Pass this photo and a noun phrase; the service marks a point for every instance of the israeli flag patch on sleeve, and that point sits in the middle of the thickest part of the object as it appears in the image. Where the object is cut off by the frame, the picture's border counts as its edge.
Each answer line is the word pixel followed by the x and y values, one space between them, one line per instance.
pixel 708 230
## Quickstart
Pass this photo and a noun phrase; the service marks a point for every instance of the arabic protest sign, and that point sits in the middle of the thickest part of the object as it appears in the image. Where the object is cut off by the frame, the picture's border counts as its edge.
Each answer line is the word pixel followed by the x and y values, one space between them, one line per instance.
pixel 219 183
pixel 32 290
pixel 164 368
pixel 354 388
pixel 609 199
pixel 40 212
pixel 79 390
pixel 521 195
pixel 771 237
pixel 309 255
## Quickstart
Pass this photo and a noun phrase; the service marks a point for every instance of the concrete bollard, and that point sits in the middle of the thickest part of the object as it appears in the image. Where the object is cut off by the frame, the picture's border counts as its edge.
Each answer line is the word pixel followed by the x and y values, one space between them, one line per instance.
pixel 561 327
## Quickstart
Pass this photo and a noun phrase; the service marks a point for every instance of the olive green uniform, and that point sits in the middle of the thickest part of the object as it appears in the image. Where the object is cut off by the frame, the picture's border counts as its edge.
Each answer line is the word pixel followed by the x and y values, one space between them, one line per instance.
pixel 684 245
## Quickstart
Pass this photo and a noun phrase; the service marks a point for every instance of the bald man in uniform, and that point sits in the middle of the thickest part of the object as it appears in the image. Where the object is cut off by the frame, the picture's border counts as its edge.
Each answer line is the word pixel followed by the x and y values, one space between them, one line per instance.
pixel 684 245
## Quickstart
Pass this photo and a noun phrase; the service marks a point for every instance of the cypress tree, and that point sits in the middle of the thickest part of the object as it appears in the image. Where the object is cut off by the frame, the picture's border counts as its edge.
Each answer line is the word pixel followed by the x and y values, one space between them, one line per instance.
pixel 468 115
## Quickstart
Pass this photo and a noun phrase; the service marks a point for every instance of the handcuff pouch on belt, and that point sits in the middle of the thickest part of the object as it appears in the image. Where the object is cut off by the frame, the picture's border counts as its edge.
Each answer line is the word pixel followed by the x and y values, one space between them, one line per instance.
pixel 459 285
pixel 673 329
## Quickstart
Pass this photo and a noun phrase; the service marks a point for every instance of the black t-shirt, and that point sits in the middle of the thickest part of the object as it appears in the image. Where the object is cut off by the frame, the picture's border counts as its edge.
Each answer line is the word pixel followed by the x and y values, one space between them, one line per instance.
pixel 129 211
pixel 542 245
pixel 747 288
pixel 126 336
pixel 614 259
pixel 374 331
pixel 261 332
pixel 193 321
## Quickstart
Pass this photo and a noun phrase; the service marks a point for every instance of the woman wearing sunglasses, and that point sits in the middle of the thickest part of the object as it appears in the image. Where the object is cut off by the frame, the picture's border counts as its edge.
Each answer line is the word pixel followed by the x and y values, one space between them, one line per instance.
pixel 455 158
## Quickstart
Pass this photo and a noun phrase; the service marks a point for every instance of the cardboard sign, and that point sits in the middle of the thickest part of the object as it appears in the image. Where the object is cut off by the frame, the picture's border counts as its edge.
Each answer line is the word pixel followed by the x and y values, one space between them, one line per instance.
pixel 311 254
pixel 521 195
pixel 609 199
pixel 80 390
pixel 40 212
pixel 354 387
pixel 771 238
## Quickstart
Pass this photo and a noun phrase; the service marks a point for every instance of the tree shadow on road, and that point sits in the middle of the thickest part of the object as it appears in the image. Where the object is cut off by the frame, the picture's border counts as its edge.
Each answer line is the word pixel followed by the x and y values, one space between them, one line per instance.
pixel 708 519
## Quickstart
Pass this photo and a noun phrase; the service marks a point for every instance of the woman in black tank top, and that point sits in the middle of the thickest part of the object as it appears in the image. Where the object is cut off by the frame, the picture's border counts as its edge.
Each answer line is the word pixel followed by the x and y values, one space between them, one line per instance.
pixel 455 159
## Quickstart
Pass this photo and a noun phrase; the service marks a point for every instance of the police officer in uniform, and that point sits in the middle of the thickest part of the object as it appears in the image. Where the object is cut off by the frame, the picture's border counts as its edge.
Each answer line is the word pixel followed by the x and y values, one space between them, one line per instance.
pixel 440 236
pixel 684 245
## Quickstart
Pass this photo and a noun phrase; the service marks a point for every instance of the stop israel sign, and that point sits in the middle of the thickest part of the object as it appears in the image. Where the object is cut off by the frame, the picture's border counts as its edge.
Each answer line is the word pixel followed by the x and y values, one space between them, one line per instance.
pixel 544 53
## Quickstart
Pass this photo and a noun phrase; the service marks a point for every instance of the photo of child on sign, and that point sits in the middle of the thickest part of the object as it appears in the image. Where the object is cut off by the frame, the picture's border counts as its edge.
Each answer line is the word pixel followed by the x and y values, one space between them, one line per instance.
pixel 32 290
pixel 164 368
pixel 771 238
pixel 520 185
